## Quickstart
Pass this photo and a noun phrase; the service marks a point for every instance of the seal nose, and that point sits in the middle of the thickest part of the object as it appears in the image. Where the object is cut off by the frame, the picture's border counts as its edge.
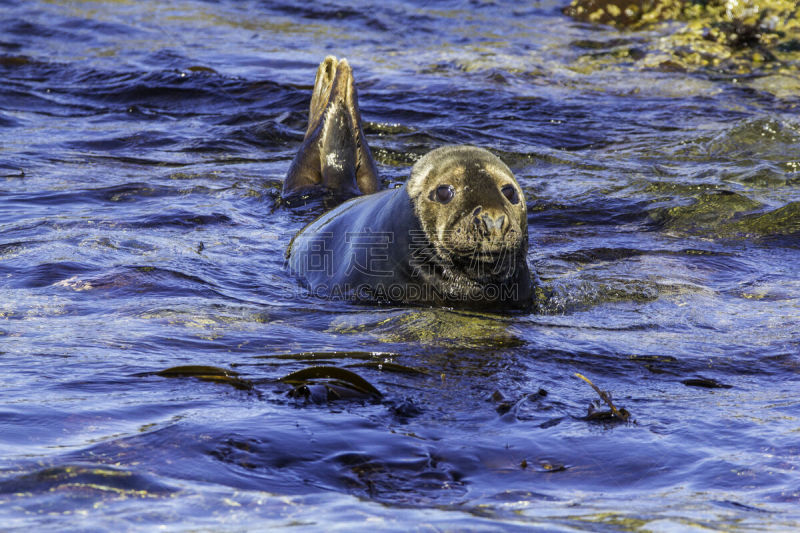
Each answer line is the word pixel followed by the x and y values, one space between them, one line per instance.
pixel 491 226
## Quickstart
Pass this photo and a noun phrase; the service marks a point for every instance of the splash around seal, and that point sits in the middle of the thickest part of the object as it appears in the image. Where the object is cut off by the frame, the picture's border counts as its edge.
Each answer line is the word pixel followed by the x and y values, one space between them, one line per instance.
pixel 455 234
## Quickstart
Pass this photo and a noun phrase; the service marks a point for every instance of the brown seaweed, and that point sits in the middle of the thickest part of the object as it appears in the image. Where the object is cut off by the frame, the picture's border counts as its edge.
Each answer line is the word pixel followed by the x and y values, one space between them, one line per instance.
pixel 204 373
pixel 613 414
pixel 707 383
pixel 337 383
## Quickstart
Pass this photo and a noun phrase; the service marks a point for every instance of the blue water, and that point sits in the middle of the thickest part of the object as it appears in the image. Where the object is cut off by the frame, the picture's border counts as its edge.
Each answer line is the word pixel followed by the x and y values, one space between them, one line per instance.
pixel 142 150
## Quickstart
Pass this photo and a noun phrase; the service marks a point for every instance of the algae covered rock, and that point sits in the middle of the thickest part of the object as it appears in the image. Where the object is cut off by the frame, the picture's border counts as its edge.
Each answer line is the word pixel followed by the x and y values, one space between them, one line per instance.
pixel 731 36
pixel 623 13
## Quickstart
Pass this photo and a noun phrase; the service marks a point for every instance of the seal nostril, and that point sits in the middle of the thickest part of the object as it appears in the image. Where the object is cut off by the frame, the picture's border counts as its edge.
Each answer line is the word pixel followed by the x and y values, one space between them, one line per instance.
pixel 477 211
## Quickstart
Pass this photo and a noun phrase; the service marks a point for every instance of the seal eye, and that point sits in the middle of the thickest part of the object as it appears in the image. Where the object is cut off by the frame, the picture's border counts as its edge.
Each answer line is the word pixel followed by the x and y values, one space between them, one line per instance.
pixel 510 193
pixel 443 194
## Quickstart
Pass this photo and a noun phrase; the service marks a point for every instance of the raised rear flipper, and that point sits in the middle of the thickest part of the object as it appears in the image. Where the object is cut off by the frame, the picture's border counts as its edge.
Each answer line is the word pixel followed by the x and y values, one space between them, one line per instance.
pixel 334 157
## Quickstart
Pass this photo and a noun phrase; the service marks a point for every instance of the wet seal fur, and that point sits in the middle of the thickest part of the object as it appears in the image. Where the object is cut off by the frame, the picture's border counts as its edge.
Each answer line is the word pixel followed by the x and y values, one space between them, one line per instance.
pixel 334 157
pixel 455 234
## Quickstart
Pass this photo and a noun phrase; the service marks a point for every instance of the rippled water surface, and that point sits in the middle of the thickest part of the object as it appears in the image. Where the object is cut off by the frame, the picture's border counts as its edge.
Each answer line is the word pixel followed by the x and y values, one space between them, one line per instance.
pixel 143 148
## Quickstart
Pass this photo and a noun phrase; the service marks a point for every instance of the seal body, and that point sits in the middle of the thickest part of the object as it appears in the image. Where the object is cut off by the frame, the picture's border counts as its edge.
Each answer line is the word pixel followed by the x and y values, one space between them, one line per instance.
pixel 455 234
pixel 334 157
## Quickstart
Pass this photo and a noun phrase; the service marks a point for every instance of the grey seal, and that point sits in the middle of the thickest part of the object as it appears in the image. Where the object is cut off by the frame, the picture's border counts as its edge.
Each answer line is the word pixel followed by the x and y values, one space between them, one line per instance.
pixel 455 234
pixel 334 156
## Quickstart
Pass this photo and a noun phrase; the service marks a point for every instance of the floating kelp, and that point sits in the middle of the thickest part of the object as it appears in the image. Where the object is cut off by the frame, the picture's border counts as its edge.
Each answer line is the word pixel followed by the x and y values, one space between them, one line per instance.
pixel 613 414
pixel 204 373
pixel 328 383
pixel 390 367
pixel 706 383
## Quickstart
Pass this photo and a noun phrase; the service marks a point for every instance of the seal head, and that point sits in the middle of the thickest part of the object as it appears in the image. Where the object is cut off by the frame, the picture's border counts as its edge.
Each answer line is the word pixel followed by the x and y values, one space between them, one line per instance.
pixel 473 212
pixel 334 156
